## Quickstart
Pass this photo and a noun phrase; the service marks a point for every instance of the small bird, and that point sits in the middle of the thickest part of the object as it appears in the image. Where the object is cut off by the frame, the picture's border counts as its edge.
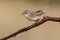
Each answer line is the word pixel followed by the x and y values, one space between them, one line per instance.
pixel 33 16
pixel 37 15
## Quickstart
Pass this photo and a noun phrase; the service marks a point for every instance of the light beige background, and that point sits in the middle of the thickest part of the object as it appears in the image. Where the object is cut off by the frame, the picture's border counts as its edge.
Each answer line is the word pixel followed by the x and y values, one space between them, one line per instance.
pixel 11 20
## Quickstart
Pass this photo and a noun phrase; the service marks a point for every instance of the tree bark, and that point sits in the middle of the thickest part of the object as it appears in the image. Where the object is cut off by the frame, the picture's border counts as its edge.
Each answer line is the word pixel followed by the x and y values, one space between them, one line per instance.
pixel 45 18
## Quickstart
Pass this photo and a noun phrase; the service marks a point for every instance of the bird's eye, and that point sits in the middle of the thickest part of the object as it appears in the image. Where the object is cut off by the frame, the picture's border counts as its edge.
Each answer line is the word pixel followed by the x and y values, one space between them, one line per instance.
pixel 27 12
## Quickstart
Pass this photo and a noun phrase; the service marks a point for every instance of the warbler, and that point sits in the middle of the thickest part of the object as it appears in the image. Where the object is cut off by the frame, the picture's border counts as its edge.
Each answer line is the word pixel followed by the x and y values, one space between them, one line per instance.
pixel 33 16
pixel 37 15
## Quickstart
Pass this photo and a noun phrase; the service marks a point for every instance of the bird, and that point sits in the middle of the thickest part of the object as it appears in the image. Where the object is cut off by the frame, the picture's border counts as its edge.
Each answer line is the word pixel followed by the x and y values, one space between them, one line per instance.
pixel 33 16
pixel 37 15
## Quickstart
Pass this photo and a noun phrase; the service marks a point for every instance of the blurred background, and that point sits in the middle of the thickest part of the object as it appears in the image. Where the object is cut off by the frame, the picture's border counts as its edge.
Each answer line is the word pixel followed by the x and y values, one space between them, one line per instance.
pixel 11 19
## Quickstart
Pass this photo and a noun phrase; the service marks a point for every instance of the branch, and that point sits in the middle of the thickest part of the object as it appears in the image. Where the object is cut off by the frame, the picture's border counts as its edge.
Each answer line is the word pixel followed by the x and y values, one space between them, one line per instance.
pixel 45 18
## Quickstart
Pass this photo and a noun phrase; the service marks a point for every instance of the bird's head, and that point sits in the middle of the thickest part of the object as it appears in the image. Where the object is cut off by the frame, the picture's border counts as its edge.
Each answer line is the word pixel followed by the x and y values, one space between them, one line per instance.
pixel 26 13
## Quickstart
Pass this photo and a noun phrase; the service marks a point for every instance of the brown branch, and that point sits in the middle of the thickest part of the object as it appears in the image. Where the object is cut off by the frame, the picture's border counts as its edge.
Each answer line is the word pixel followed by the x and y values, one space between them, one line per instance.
pixel 45 18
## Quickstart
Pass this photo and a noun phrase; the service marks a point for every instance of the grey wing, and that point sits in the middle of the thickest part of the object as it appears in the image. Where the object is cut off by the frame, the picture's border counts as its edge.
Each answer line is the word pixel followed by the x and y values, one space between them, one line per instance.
pixel 39 12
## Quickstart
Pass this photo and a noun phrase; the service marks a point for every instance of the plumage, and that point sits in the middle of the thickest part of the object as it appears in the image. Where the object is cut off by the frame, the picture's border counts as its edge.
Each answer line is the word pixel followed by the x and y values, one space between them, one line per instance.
pixel 34 16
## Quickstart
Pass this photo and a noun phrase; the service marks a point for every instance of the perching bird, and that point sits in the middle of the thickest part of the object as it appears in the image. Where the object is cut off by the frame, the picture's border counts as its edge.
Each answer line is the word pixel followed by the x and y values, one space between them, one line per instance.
pixel 35 16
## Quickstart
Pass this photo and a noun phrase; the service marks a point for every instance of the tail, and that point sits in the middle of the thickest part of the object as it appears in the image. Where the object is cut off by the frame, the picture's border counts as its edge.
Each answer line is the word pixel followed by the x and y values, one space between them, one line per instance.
pixel 44 9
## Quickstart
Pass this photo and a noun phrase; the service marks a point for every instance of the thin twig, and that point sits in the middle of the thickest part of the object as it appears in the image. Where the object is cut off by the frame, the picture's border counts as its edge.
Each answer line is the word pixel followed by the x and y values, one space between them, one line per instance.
pixel 45 18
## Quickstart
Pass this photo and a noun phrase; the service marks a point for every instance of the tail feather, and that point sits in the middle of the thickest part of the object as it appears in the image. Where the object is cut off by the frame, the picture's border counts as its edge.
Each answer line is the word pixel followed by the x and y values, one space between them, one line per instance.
pixel 44 9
